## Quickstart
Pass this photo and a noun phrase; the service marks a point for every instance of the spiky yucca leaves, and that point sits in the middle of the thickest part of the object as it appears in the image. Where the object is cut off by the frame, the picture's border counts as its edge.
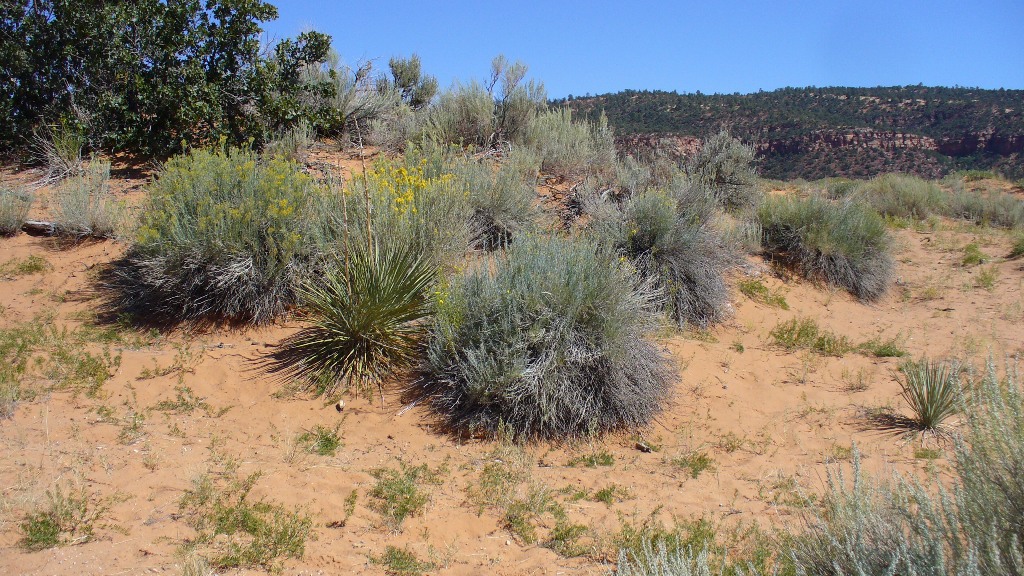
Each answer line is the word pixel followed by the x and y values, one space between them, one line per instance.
pixel 842 243
pixel 932 390
pixel 366 326
pixel 550 342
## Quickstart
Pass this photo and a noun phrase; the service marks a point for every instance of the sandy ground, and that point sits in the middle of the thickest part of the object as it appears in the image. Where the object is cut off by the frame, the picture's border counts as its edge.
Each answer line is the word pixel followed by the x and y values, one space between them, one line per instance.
pixel 769 419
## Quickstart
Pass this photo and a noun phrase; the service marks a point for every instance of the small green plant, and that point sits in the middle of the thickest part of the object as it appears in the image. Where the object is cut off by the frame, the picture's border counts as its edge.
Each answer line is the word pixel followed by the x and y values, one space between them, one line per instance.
pixel 593 460
pixel 366 326
pixel 522 514
pixel 69 517
pixel 973 255
pixel 564 538
pixel 987 277
pixel 185 402
pixel 321 440
pixel 804 333
pixel 14 206
pixel 738 346
pixel 1017 249
pixel 399 494
pixel 927 453
pixel 24 266
pixel 694 463
pixel 132 428
pixel 931 390
pixel 887 348
pixel 233 530
pixel 611 494
pixel 402 562
pixel 754 289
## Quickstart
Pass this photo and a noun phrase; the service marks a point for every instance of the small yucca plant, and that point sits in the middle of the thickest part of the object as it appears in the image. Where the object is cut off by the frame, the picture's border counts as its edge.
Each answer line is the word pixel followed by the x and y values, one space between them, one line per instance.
pixel 932 391
pixel 366 325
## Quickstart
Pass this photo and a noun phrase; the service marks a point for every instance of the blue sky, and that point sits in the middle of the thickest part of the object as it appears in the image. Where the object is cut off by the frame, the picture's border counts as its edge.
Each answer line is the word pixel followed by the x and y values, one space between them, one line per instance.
pixel 727 46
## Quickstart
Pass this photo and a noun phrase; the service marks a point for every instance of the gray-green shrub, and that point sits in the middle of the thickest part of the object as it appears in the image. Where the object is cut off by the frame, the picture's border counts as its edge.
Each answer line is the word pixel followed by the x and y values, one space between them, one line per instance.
pixel 843 243
pixel 501 201
pixel 14 206
pixel 550 341
pixel 667 238
pixel 903 196
pixel 571 148
pixel 995 209
pixel 906 527
pixel 223 235
pixel 85 205
pixel 725 166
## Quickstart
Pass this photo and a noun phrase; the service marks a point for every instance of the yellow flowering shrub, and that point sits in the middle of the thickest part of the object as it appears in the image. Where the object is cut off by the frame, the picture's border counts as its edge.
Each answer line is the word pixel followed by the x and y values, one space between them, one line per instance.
pixel 224 229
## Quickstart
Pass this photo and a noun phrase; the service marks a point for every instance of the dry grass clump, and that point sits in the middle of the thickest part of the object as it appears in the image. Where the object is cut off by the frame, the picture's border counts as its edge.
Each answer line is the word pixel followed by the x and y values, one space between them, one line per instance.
pixel 844 243
pixel 549 341
pixel 14 206
pixel 85 206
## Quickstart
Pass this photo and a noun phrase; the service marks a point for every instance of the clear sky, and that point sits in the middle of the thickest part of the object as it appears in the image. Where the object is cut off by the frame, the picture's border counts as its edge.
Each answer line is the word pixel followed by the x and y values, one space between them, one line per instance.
pixel 713 46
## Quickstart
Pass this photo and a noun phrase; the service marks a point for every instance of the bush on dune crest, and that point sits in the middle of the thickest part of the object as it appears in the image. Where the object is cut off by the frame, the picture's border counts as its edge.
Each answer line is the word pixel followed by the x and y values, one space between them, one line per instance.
pixel 550 344
pixel 668 239
pixel 843 243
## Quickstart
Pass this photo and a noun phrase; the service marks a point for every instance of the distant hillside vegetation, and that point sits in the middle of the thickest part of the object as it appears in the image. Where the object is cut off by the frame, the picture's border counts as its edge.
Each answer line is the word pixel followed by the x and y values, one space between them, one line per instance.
pixel 818 132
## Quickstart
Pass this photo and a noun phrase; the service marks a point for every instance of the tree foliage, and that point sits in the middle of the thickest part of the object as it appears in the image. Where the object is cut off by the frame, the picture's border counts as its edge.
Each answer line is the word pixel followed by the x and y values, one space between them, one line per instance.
pixel 147 75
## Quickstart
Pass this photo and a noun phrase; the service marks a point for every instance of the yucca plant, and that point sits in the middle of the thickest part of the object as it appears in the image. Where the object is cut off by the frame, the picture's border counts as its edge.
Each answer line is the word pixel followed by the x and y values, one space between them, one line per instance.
pixel 366 324
pixel 932 391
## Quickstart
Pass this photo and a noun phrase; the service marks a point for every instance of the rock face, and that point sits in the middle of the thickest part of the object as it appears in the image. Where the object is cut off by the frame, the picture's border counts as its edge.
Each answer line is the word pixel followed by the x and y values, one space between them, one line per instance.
pixel 855 152
pixel 833 131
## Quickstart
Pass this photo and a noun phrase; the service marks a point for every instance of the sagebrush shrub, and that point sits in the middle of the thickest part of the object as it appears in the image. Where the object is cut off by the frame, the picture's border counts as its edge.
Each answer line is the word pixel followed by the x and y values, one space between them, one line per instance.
pixel 549 341
pixel 843 243
pixel 725 166
pixel 995 209
pixel 14 207
pixel 463 115
pixel 906 527
pixel 501 201
pixel 366 320
pixel 571 148
pixel 903 196
pixel 223 235
pixel 669 241
pixel 85 205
